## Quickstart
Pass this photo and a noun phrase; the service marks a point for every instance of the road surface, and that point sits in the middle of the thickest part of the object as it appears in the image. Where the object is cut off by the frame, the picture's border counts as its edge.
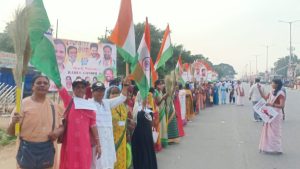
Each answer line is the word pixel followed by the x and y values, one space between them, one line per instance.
pixel 226 137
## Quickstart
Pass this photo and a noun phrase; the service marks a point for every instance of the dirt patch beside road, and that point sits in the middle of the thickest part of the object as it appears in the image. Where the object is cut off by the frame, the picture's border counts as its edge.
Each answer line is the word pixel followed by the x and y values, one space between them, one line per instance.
pixel 7 156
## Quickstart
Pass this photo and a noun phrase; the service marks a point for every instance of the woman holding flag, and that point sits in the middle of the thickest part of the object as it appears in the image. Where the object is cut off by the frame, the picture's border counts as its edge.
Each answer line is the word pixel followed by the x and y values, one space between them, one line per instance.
pixel 80 129
pixel 40 120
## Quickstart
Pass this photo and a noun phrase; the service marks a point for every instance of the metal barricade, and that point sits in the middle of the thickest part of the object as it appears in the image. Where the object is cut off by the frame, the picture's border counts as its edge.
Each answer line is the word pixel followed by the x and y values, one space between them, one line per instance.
pixel 7 98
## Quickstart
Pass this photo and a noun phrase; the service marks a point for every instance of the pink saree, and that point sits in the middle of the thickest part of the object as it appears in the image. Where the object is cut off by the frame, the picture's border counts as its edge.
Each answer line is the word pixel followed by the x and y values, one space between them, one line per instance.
pixel 270 141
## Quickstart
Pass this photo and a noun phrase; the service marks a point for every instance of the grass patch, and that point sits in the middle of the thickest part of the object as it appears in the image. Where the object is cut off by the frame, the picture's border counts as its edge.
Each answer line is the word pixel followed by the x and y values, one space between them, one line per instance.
pixel 6 139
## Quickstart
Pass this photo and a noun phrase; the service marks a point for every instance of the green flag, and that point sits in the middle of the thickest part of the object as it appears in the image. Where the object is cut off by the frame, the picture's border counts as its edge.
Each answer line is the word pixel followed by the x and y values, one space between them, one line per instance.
pixel 40 35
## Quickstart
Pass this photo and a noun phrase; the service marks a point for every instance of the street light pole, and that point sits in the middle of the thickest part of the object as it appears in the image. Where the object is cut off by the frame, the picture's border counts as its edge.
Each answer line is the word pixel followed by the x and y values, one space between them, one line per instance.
pixel 291 47
pixel 267 57
pixel 291 50
pixel 256 65
pixel 250 68
pixel 247 71
pixel 267 62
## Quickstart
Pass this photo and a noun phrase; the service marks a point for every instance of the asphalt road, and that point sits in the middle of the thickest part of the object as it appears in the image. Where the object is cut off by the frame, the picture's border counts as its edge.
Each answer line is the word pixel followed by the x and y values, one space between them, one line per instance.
pixel 226 137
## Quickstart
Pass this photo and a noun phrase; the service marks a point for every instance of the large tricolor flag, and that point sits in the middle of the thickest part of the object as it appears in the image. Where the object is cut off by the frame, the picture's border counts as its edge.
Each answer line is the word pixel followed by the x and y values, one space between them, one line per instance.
pixel 179 70
pixel 43 56
pixel 142 68
pixel 166 50
pixel 123 34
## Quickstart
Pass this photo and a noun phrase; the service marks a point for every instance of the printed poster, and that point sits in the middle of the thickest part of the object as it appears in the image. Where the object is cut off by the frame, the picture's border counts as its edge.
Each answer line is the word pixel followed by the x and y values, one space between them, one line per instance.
pixel 266 113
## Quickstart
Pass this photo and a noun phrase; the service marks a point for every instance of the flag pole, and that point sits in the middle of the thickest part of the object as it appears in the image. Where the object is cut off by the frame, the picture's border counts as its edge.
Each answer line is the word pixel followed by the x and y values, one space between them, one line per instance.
pixel 127 69
pixel 56 36
pixel 56 32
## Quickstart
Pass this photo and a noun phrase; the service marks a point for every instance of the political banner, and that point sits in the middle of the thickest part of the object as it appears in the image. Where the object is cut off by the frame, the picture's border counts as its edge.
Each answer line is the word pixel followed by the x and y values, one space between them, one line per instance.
pixel 85 60
pixel 186 73
pixel 202 71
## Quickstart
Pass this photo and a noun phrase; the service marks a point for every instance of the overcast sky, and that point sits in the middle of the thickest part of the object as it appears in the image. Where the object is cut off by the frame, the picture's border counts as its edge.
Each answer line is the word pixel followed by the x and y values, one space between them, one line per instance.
pixel 230 31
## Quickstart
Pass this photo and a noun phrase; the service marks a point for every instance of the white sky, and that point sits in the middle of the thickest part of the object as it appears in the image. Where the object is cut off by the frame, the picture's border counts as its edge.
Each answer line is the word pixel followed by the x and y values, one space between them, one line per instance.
pixel 230 31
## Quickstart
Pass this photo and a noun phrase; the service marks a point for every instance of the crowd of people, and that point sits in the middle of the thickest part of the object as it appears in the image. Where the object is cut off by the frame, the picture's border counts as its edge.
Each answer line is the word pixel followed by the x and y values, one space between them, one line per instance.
pixel 115 128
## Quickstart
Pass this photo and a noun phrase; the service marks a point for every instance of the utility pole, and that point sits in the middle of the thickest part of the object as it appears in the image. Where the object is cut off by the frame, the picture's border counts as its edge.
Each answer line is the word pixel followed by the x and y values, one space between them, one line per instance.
pixel 256 69
pixel 267 74
pixel 247 71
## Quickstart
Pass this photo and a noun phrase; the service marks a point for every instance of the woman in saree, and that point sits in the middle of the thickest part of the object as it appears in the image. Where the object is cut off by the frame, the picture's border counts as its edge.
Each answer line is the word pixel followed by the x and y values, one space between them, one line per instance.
pixel 160 103
pixel 270 141
pixel 76 150
pixel 173 133
pixel 189 104
pixel 201 96
pixel 208 93
pixel 177 107
pixel 119 120
pixel 197 99
pixel 216 94
pixel 182 101
pixel 240 92
pixel 205 88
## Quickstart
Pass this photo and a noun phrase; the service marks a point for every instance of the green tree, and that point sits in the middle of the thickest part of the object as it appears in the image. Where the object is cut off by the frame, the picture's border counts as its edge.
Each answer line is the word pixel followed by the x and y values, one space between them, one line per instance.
pixel 225 71
pixel 281 65
pixel 6 44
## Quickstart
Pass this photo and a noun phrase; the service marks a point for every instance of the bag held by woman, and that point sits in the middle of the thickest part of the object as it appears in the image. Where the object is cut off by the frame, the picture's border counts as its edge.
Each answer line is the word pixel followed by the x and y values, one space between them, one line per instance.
pixel 32 155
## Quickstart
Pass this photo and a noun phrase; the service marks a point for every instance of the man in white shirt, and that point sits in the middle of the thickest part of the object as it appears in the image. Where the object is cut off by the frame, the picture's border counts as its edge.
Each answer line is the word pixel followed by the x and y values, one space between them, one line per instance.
pixel 254 96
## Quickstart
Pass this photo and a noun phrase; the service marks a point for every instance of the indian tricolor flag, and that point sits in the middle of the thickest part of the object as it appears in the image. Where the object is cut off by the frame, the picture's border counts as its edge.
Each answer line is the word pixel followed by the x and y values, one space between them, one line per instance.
pixel 142 68
pixel 123 34
pixel 43 56
pixel 166 50
pixel 179 70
